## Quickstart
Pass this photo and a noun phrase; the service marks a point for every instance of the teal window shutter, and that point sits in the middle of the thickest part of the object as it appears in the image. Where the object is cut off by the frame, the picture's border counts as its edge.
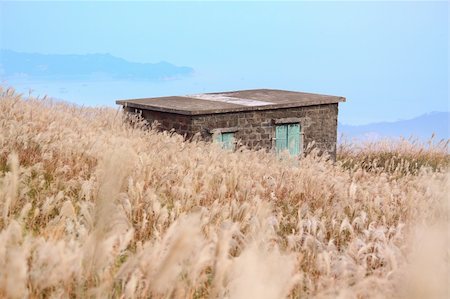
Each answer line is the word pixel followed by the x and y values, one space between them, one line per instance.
pixel 218 138
pixel 226 140
pixel 294 139
pixel 288 137
pixel 281 135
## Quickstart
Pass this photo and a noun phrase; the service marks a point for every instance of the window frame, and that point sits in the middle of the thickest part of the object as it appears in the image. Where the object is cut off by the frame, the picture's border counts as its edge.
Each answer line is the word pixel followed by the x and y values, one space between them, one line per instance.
pixel 286 123
pixel 218 134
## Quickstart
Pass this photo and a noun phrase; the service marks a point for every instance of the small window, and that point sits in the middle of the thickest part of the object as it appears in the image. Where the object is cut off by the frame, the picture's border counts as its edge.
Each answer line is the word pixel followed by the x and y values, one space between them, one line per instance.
pixel 226 139
pixel 288 137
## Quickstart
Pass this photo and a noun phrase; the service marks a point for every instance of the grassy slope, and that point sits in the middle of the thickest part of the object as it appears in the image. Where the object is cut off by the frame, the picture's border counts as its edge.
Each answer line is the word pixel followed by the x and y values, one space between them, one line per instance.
pixel 91 206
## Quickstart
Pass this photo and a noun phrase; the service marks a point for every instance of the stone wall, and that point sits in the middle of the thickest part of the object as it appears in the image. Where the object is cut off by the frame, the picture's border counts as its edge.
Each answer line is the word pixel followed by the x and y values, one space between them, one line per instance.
pixel 256 129
pixel 166 121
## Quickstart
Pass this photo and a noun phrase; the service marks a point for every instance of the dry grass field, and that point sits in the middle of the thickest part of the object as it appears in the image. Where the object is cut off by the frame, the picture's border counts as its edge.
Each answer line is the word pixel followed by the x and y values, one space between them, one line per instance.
pixel 95 207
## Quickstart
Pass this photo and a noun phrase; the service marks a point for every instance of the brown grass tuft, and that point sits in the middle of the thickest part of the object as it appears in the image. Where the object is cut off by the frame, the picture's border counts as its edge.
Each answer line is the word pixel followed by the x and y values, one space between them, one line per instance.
pixel 94 205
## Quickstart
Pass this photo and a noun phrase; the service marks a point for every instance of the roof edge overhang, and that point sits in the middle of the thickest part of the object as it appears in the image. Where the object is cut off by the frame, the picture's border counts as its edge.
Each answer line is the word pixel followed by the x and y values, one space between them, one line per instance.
pixel 324 101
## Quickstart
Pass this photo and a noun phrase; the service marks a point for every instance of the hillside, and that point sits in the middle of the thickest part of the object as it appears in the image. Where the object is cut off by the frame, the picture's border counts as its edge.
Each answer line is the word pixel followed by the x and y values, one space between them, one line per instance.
pixel 421 127
pixel 94 206
pixel 35 66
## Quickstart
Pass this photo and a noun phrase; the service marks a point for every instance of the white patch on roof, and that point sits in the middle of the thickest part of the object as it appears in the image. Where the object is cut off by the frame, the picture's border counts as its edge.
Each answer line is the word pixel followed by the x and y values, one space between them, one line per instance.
pixel 227 99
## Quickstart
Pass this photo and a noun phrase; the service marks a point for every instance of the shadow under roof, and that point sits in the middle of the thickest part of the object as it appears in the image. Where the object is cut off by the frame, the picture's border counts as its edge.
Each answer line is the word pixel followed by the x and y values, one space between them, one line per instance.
pixel 231 101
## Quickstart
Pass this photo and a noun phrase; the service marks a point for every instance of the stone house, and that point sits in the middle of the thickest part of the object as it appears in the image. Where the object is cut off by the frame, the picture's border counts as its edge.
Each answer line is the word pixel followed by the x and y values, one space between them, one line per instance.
pixel 276 120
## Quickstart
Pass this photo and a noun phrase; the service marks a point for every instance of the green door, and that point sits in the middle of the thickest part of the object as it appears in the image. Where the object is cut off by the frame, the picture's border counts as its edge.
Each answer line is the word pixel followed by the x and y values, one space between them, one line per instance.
pixel 226 140
pixel 288 138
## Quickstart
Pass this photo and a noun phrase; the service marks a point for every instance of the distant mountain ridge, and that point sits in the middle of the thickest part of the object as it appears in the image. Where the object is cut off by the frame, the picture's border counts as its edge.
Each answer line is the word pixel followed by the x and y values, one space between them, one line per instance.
pixel 421 127
pixel 88 66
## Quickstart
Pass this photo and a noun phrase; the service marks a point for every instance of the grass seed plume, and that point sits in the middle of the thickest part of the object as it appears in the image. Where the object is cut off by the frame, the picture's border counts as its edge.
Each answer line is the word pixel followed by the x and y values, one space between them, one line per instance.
pixel 92 204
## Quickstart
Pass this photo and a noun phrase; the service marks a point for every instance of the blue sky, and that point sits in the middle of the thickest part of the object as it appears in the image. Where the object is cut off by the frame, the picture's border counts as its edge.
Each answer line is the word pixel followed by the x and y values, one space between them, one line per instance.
pixel 390 59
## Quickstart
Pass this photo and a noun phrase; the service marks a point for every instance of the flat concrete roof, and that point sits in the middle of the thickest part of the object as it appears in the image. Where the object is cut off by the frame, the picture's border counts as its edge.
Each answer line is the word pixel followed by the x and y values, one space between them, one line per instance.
pixel 231 101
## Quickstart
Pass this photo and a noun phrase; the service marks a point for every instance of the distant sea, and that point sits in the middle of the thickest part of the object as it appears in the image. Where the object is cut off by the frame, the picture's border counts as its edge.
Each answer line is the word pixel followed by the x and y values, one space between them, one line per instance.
pixel 106 92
